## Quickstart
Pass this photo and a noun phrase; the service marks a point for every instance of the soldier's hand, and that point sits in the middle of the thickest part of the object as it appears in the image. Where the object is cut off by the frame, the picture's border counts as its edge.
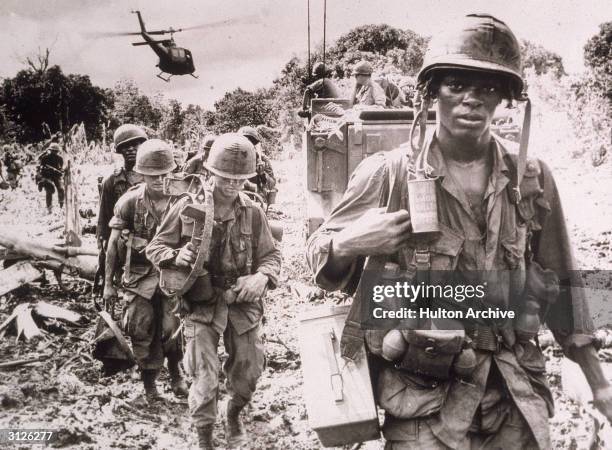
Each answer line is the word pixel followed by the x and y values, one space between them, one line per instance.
pixel 375 233
pixel 186 256
pixel 250 288
pixel 602 400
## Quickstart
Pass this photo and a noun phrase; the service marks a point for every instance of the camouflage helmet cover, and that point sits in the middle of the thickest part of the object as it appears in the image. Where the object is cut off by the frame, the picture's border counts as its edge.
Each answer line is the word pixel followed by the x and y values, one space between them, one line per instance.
pixel 319 70
pixel 478 42
pixel 127 133
pixel 209 139
pixel 250 132
pixel 362 68
pixel 154 157
pixel 232 156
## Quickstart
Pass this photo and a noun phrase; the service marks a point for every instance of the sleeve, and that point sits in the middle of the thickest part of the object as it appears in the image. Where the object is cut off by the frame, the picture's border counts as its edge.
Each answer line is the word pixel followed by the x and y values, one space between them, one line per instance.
pixel 105 213
pixel 569 318
pixel 378 95
pixel 364 191
pixel 161 249
pixel 123 214
pixel 267 256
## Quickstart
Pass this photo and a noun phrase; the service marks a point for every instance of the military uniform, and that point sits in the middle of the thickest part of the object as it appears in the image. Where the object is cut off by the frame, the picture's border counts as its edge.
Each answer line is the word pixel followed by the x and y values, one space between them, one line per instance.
pixel 241 244
pixel 506 402
pixel 148 317
pixel 112 188
pixel 50 176
pixel 370 94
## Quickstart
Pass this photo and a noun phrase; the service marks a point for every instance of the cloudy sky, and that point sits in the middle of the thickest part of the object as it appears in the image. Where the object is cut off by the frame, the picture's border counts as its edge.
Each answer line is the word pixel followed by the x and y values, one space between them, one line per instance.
pixel 263 34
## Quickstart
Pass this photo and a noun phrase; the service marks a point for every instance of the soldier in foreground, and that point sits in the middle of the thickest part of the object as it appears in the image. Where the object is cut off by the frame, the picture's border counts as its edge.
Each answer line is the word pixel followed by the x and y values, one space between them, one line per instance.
pixel 367 93
pixel 148 318
pixel 504 401
pixel 196 163
pixel 50 175
pixel 127 138
pixel 228 298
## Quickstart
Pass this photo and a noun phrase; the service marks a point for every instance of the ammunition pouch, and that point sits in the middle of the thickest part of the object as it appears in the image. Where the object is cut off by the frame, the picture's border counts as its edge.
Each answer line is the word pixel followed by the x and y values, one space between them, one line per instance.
pixel 202 290
pixel 431 352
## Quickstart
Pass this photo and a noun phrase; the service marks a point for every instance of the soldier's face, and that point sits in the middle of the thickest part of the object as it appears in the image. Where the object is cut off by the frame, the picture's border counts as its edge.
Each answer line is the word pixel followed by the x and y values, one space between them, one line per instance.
pixel 129 153
pixel 361 79
pixel 155 183
pixel 467 103
pixel 227 187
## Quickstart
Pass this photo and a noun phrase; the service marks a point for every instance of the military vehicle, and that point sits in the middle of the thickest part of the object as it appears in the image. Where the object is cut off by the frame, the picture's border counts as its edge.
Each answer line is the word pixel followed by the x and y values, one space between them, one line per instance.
pixel 335 147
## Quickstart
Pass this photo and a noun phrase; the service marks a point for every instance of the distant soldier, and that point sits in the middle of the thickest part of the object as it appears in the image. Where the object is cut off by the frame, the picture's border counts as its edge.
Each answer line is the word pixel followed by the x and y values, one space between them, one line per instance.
pixel 50 175
pixel 367 92
pixel 264 181
pixel 395 97
pixel 13 166
pixel 148 318
pixel 127 139
pixel 196 163
pixel 321 87
pixel 244 261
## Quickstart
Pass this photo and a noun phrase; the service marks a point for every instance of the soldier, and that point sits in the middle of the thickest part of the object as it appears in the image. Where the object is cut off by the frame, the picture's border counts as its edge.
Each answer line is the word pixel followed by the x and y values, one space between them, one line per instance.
pixel 395 97
pixel 264 182
pixel 196 163
pixel 148 318
pixel 127 138
pixel 244 261
pixel 321 87
pixel 13 166
pixel 50 175
pixel 367 92
pixel 485 226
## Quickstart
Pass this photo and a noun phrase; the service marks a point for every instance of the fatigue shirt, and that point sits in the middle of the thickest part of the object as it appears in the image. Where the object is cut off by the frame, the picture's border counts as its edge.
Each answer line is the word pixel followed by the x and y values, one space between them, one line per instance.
pixel 113 187
pixel 370 94
pixel 322 88
pixel 51 159
pixel 228 257
pixel 463 246
pixel 134 212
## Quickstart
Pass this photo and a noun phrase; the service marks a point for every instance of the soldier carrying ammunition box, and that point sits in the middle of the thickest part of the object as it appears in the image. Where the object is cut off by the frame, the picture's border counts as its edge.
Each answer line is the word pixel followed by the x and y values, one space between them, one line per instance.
pixel 226 297
pixel 486 213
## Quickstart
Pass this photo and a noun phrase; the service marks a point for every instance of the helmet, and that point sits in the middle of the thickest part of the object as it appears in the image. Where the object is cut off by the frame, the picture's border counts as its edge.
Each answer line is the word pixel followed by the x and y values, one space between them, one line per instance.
pixel 54 147
pixel 362 68
pixel 319 70
pixel 250 132
pixel 128 133
pixel 232 156
pixel 478 42
pixel 154 157
pixel 208 141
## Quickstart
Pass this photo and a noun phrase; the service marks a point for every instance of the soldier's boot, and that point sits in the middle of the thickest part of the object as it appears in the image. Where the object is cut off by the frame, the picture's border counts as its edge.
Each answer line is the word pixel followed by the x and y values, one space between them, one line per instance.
pixel 49 210
pixel 234 429
pixel 148 377
pixel 205 437
pixel 177 382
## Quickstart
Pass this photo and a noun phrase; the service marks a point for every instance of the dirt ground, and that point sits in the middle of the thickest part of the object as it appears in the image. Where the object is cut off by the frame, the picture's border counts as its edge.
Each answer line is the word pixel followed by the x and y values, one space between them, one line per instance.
pixel 65 392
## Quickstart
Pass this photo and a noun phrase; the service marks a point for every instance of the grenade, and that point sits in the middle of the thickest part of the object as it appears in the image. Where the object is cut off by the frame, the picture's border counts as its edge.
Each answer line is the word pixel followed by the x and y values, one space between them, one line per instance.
pixel 528 323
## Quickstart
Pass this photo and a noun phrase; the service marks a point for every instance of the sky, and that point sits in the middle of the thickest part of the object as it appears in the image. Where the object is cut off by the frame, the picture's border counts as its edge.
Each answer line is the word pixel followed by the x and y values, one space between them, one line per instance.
pixel 259 37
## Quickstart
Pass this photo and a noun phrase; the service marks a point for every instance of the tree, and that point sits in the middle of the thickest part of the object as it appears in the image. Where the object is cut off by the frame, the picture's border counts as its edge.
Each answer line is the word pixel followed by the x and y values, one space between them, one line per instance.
pixel 36 97
pixel 240 107
pixel 133 107
pixel 541 60
pixel 171 124
pixel 598 57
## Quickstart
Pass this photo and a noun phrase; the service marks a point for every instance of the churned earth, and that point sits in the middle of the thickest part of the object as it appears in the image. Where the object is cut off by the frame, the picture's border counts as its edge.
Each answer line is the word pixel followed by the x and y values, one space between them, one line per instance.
pixel 65 392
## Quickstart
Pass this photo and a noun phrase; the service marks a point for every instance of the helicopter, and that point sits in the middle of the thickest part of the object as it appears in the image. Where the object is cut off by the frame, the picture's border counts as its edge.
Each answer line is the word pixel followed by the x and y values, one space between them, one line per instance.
pixel 173 60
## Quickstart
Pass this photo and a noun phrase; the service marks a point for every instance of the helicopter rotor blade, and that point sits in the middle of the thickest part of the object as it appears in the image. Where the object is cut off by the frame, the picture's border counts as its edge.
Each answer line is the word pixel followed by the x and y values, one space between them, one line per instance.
pixel 249 20
pixel 103 34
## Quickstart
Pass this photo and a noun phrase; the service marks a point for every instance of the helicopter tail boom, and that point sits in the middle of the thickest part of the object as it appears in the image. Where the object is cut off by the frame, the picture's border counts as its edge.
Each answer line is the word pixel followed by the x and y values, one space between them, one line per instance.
pixel 140 21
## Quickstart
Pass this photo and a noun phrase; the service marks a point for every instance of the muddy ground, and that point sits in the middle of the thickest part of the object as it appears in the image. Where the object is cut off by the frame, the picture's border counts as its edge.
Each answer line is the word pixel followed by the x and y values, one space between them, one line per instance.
pixel 66 392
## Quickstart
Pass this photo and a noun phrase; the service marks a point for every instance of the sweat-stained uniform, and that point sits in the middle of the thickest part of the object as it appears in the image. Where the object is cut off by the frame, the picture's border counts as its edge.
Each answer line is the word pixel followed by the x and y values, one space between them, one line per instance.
pixel 113 186
pixel 241 244
pixel 370 94
pixel 507 401
pixel 148 317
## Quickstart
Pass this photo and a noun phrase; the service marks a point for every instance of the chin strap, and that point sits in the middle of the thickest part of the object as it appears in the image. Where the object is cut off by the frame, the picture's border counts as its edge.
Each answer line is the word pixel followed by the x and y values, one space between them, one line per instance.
pixel 523 146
